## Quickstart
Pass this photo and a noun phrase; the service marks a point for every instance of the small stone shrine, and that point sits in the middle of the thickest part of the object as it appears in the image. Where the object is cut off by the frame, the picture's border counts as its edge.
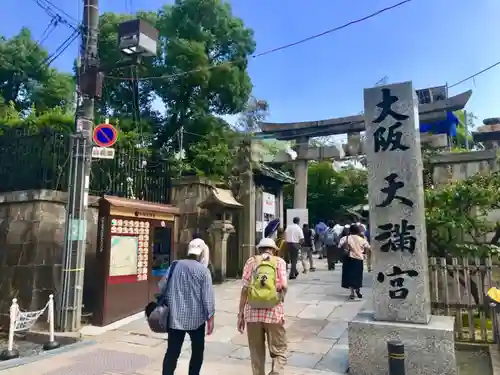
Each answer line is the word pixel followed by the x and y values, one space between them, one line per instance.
pixel 401 297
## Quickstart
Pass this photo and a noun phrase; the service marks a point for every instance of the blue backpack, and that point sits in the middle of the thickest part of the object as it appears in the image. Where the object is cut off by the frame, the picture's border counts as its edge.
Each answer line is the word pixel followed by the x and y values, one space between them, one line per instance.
pixel 330 237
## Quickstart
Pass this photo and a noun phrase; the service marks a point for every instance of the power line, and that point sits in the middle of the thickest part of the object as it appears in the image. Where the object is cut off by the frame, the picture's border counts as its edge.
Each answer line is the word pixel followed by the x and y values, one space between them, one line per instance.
pixel 62 47
pixel 48 30
pixel 55 12
pixel 475 74
pixel 60 10
pixel 277 49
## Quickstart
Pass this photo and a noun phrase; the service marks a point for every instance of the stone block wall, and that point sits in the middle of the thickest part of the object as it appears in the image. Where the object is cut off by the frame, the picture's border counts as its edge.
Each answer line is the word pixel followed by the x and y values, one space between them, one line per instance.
pixel 31 247
pixel 187 193
pixel 456 166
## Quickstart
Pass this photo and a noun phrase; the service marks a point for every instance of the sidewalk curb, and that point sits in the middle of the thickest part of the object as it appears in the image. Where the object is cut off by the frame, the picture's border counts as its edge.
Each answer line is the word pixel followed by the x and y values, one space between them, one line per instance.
pixel 27 360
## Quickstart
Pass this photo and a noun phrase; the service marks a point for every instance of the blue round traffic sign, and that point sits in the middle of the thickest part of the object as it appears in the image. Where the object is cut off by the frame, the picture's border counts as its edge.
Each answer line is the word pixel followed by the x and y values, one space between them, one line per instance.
pixel 105 135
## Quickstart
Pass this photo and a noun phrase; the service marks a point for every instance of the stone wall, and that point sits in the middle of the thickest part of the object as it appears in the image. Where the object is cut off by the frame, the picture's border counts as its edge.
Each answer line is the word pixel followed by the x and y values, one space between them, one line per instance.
pixel 456 166
pixel 187 194
pixel 31 247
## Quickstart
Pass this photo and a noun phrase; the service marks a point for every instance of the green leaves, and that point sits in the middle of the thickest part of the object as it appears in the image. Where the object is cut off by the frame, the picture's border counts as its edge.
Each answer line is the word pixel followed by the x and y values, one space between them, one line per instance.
pixel 457 216
pixel 330 192
pixel 25 79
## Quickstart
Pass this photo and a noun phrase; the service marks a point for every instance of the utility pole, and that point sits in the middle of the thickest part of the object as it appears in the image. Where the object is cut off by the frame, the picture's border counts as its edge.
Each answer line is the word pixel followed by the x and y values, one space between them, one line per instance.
pixel 89 86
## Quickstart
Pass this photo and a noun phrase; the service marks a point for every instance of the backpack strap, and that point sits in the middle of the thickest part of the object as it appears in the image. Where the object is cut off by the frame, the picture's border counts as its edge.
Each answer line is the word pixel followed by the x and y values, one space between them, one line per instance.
pixel 259 259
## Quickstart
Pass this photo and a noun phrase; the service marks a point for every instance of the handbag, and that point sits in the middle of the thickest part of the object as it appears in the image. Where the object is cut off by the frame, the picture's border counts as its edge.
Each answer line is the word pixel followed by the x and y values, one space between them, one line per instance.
pixel 158 318
pixel 346 250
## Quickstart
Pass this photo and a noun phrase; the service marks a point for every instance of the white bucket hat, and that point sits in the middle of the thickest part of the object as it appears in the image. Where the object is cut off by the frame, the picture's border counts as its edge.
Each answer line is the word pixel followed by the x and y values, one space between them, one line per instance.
pixel 267 243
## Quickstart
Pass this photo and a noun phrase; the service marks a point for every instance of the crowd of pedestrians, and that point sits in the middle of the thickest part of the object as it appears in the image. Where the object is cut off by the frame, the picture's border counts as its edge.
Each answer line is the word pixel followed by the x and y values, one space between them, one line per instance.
pixel 187 303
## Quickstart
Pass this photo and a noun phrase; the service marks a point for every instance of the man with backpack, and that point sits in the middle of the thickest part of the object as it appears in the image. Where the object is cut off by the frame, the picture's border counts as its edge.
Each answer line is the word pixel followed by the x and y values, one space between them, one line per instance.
pixel 320 229
pixel 331 242
pixel 261 308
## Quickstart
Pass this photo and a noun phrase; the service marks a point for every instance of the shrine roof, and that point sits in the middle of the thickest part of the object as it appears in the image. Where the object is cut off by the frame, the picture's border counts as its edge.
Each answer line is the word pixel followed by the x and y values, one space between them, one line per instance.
pixel 274 173
pixel 223 197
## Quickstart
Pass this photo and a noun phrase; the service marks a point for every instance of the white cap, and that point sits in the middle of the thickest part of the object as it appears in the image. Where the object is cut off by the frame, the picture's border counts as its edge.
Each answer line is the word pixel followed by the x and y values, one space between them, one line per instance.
pixel 267 243
pixel 196 246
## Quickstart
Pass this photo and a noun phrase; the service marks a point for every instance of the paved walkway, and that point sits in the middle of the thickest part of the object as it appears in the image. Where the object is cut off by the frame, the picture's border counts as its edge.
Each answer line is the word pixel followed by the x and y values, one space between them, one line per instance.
pixel 317 310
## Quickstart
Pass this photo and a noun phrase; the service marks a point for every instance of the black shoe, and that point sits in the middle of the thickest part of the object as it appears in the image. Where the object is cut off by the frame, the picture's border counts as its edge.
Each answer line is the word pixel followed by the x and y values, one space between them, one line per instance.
pixel 352 296
pixel 358 293
pixel 292 277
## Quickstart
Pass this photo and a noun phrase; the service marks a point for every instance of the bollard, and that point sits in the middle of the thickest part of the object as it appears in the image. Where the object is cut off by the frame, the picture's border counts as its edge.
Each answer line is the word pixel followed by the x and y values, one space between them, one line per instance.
pixel 396 353
pixel 52 343
pixel 11 352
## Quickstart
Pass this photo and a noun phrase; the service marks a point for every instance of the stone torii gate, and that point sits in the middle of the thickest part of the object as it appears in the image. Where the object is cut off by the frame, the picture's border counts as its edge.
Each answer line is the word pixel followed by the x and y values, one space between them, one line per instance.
pixel 302 132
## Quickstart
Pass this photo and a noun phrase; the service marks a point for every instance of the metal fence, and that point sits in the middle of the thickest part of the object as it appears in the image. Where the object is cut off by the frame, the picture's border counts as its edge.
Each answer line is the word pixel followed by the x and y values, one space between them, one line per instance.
pixel 458 287
pixel 41 161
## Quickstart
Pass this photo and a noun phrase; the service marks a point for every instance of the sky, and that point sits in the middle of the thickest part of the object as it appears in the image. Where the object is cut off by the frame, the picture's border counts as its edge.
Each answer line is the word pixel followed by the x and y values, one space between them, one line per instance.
pixel 431 42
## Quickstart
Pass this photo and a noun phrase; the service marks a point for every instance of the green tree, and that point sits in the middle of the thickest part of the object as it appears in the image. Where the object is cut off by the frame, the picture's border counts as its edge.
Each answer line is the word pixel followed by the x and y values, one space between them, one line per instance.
pixel 331 192
pixel 201 36
pixel 457 217
pixel 213 156
pixel 118 92
pixel 194 35
pixel 255 111
pixel 25 78
pixel 459 140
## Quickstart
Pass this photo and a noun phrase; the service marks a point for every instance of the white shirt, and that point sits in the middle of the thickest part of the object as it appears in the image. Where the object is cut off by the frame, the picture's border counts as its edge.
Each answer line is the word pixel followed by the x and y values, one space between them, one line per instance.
pixel 293 233
pixel 205 254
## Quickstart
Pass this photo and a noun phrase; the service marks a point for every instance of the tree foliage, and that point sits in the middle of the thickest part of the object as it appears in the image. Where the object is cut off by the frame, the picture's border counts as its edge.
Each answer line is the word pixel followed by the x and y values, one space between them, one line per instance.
pixel 201 37
pixel 198 75
pixel 458 217
pixel 25 78
pixel 331 192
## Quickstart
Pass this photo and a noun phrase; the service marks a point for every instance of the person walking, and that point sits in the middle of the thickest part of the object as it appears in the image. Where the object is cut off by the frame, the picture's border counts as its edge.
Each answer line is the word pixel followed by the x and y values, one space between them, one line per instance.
pixel 280 242
pixel 191 302
pixel 294 237
pixel 354 245
pixel 320 229
pixel 331 240
pixel 307 249
pixel 261 309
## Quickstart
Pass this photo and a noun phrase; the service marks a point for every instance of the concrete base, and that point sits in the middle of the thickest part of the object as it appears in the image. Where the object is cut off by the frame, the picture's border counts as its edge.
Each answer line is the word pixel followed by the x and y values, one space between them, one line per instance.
pixel 51 345
pixel 429 348
pixel 96 331
pixel 9 354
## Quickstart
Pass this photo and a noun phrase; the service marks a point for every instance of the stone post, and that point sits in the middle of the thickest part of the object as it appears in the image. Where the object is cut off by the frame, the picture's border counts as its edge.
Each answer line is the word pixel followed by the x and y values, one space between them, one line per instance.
pixel 396 199
pixel 220 231
pixel 281 207
pixel 401 297
pixel 300 167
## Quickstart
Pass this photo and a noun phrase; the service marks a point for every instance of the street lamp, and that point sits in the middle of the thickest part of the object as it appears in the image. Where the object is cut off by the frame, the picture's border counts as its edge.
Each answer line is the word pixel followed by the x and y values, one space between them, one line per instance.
pixel 137 38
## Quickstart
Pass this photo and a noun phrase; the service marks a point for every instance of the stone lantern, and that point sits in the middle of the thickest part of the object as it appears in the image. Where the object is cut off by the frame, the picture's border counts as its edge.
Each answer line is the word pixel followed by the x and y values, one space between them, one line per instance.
pixel 222 205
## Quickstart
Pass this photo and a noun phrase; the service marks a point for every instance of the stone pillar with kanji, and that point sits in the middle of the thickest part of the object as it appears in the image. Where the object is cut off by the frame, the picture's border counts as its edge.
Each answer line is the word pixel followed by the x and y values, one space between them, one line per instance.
pixel 401 298
pixel 396 200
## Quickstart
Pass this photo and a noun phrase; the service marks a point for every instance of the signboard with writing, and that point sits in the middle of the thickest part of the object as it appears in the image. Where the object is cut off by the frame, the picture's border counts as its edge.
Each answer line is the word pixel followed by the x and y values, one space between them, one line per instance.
pixel 397 217
pixel 268 204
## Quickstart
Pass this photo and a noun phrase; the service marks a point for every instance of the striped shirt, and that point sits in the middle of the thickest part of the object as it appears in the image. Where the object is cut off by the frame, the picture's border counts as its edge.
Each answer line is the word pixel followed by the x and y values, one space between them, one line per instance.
pixel 190 295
